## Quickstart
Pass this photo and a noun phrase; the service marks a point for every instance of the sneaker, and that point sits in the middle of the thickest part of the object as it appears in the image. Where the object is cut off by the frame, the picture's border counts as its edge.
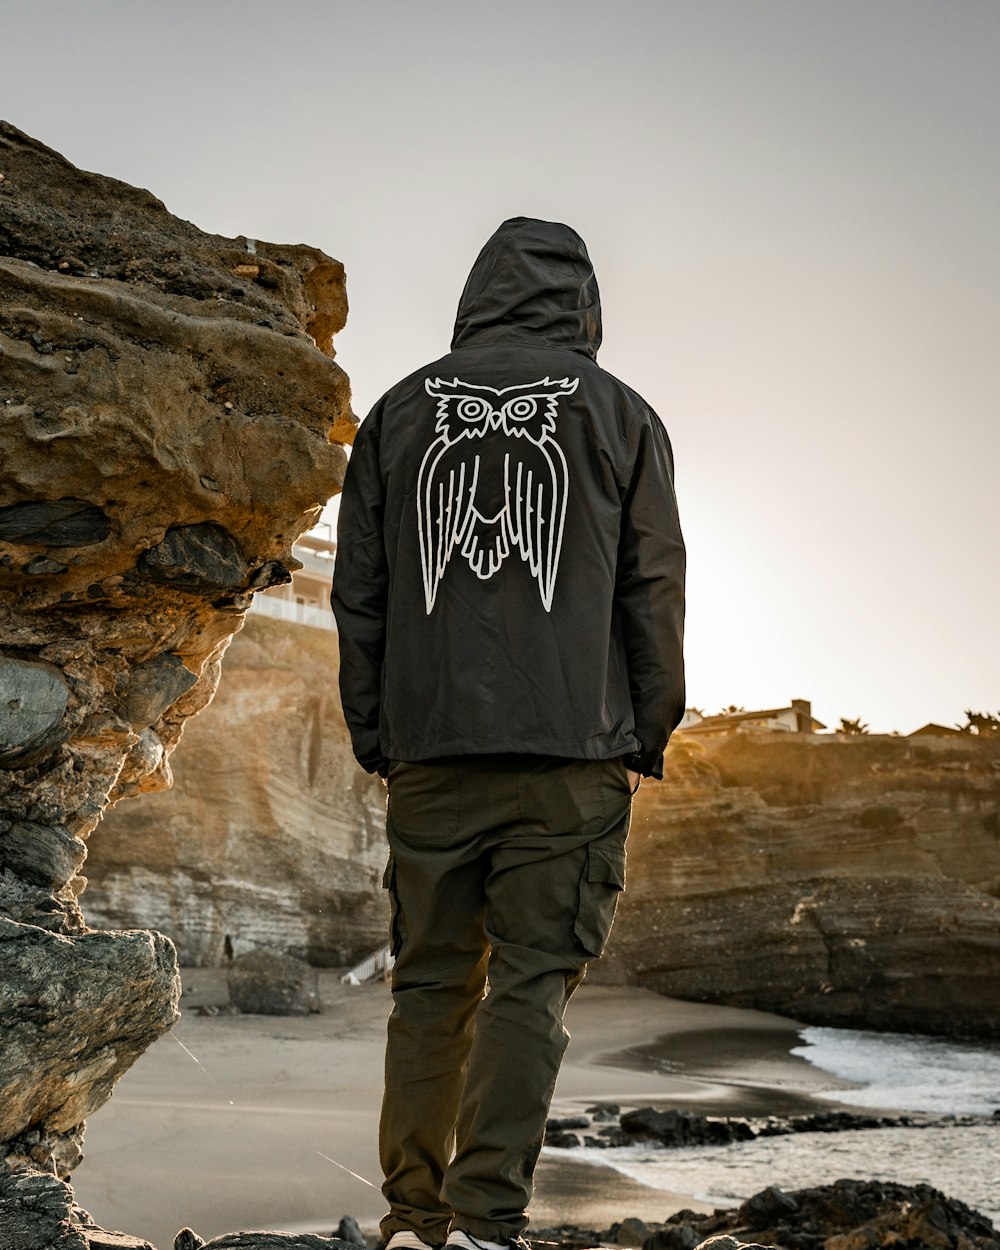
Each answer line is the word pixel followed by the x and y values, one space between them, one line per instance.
pixel 459 1240
pixel 405 1240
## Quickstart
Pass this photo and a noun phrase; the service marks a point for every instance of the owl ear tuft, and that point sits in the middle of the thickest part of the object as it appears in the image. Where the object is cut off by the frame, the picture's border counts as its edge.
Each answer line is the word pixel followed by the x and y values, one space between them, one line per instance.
pixel 438 388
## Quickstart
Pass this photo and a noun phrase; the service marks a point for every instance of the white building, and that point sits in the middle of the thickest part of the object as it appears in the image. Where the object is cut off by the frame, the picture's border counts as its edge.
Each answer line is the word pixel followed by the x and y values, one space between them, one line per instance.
pixel 306 598
pixel 796 718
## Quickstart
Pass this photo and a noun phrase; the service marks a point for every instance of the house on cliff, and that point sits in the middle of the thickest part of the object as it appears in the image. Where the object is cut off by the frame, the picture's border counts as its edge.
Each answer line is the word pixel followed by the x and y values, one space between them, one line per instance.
pixel 796 718
pixel 305 600
pixel 932 730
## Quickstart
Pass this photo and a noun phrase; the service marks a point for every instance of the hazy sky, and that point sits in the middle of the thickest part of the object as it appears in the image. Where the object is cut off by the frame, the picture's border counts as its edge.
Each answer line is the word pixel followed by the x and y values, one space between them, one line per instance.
pixel 793 211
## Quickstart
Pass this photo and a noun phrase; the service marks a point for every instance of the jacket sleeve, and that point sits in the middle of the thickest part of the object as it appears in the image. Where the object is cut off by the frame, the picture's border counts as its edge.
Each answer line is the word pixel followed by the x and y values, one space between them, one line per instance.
pixel 360 595
pixel 649 593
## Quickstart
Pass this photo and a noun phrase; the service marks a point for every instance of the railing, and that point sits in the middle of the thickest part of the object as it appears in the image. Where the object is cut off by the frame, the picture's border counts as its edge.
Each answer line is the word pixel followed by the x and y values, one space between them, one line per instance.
pixel 288 610
pixel 378 964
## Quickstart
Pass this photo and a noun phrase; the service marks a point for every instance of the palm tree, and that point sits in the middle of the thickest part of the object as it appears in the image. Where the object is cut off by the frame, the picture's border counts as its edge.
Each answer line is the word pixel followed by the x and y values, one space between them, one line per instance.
pixel 981 723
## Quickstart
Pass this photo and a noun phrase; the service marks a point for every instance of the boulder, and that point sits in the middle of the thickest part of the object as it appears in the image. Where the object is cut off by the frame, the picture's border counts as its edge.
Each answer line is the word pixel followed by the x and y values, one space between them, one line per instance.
pixel 266 983
pixel 845 1215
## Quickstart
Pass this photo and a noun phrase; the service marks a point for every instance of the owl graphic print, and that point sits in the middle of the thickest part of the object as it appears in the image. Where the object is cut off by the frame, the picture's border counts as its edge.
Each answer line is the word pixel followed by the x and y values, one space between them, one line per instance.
pixel 493 482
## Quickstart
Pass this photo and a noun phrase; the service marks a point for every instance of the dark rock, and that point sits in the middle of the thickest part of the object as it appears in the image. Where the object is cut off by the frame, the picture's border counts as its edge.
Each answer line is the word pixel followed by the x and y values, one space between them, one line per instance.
pixel 630 1232
pixel 273 573
pixel 349 1231
pixel 35 1211
pixel 683 1128
pixel 45 855
pixel 649 1122
pixel 204 558
pixel 188 1239
pixel 562 1141
pixel 54 523
pixel 268 984
pixel 847 1215
pixel 560 1124
pixel 277 1241
pixel 767 1207
pixel 154 686
pixel 726 1242
pixel 33 698
pixel 675 1237
pixel 42 566
pixel 604 1111
pixel 565 1237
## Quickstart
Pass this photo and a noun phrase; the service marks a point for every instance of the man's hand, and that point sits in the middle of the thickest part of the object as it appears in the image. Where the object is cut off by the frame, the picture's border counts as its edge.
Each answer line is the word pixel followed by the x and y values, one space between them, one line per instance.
pixel 633 779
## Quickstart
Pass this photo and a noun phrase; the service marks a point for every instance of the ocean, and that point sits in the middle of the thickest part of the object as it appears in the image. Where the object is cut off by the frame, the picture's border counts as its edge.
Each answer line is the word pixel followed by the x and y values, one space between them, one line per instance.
pixel 888 1072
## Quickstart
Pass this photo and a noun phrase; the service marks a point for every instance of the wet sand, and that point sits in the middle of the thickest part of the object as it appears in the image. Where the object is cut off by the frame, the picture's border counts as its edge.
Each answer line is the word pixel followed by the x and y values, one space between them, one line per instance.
pixel 259 1131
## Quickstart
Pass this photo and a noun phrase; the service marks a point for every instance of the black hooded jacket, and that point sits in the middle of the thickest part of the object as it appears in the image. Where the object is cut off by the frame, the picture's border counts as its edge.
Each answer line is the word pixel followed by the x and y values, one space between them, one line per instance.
pixel 510 567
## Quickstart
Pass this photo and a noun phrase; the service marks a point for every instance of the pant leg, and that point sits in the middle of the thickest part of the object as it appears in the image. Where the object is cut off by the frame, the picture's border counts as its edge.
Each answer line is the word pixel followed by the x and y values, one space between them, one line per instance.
pixel 436 881
pixel 553 884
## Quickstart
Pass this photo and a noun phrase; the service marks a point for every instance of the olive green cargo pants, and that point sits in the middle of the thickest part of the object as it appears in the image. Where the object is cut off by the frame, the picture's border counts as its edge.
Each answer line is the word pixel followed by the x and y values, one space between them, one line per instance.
pixel 504 874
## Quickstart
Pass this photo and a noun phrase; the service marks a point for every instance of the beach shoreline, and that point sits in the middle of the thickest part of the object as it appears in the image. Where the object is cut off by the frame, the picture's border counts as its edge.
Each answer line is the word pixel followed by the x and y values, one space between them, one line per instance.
pixel 238 1122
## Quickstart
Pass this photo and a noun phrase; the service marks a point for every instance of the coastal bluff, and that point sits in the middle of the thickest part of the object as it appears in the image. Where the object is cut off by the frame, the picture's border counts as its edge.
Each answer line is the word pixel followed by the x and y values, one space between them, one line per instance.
pixel 271 837
pixel 840 880
pixel 848 880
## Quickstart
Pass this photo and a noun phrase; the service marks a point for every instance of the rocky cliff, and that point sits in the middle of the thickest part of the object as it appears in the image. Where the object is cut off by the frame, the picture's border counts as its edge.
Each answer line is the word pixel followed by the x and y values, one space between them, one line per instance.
pixel 841 880
pixel 271 836
pixel 169 423
pixel 853 881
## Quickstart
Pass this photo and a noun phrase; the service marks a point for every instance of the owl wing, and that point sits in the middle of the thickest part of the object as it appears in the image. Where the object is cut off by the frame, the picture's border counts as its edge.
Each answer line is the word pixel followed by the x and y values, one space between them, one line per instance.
pixel 446 488
pixel 537 485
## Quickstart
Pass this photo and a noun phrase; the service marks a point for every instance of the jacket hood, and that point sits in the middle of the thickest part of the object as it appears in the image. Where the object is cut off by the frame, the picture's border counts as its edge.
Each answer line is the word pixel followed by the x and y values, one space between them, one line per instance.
pixel 532 282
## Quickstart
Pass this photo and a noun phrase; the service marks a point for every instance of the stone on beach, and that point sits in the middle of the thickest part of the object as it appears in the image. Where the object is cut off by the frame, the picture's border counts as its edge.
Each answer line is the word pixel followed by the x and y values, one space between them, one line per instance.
pixel 846 1215
pixel 270 984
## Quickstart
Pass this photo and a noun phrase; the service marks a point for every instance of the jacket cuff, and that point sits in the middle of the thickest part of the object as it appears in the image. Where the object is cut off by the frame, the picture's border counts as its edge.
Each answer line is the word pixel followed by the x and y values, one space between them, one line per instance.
pixel 375 762
pixel 646 763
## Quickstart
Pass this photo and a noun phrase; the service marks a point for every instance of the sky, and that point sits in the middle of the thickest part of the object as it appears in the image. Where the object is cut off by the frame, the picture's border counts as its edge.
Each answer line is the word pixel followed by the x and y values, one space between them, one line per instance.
pixel 792 210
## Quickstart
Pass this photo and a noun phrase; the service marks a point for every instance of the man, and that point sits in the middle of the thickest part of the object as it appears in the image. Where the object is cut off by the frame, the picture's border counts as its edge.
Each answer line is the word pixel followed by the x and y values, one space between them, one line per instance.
pixel 509 595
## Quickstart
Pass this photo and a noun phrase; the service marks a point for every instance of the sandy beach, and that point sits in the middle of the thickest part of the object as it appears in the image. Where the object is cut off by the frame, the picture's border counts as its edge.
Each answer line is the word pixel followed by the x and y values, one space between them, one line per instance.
pixel 237 1122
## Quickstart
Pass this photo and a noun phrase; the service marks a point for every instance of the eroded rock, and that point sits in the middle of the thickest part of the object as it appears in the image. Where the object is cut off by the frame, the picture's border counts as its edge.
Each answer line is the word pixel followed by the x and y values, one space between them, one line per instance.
pixel 170 422
pixel 54 523
pixel 266 784
pixel 844 882
pixel 77 1013
pixel 33 700
pixel 153 686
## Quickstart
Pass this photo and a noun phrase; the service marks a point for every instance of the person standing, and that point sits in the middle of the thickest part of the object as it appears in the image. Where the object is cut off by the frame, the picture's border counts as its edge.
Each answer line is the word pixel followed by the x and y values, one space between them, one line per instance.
pixel 509 593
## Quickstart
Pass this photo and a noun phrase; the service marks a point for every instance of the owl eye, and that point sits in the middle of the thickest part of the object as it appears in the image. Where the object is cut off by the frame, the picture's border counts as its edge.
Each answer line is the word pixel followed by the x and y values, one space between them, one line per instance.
pixel 521 409
pixel 472 409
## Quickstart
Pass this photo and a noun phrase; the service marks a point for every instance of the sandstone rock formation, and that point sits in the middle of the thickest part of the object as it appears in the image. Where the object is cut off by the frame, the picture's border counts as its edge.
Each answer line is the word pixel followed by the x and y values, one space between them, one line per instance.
pixel 169 421
pixel 271 835
pixel 845 881
pixel 848 881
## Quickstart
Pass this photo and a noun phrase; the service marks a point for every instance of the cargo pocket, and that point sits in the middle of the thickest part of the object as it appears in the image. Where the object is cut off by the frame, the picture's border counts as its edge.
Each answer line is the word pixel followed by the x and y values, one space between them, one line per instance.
pixel 602 881
pixel 389 884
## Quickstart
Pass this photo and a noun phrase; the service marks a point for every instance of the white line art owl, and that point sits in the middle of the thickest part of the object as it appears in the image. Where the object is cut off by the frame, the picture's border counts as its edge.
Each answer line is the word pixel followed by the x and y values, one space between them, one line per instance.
pixel 494 480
